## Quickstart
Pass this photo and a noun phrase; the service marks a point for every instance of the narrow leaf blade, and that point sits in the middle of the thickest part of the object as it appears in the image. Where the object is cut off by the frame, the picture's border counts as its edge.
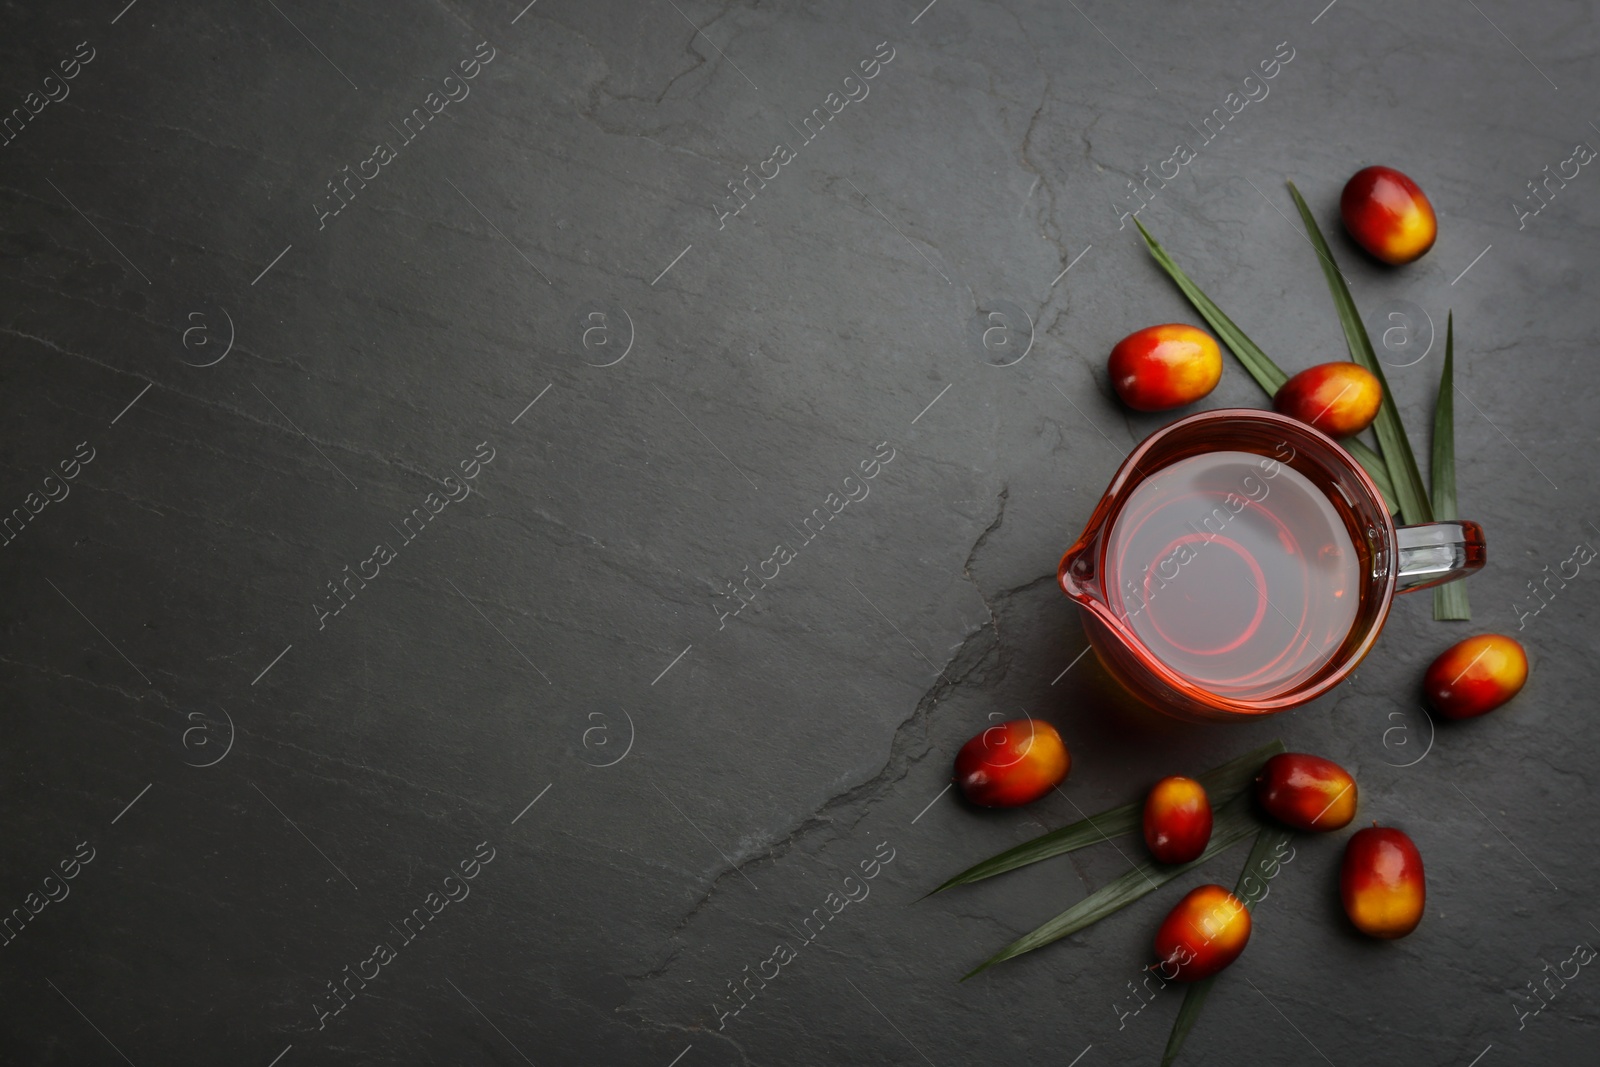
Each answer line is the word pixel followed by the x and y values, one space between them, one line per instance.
pixel 1266 373
pixel 1233 824
pixel 1450 599
pixel 1221 783
pixel 1268 841
pixel 1404 477
pixel 1194 1001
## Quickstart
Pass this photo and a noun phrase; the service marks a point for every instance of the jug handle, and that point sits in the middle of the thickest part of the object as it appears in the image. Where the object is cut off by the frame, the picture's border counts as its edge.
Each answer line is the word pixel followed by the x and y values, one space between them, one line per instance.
pixel 1433 553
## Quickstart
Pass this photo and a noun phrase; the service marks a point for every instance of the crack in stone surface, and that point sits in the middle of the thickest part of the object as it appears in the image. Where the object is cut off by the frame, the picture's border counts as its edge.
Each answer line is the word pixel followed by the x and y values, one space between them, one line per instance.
pixel 978 655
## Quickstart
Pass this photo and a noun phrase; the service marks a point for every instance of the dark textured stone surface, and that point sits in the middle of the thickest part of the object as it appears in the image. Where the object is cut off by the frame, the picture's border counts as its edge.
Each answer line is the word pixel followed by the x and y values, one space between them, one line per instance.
pixel 525 637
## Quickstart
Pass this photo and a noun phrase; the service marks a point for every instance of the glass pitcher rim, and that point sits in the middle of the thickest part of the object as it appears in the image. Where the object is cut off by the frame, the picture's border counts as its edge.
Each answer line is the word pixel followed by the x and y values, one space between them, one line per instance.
pixel 1098 525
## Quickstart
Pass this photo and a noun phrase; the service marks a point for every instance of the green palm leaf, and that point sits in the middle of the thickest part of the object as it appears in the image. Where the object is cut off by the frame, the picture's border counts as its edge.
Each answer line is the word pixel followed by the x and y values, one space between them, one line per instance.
pixel 1268 841
pixel 1450 599
pixel 1267 374
pixel 1404 477
pixel 1233 823
pixel 1221 784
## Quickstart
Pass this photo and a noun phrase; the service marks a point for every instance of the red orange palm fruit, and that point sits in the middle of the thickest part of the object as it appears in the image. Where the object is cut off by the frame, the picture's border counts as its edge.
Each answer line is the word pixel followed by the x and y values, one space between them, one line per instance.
pixel 1340 398
pixel 1388 214
pixel 1381 882
pixel 1202 934
pixel 1177 819
pixel 1306 792
pixel 1476 676
pixel 1163 367
pixel 1014 763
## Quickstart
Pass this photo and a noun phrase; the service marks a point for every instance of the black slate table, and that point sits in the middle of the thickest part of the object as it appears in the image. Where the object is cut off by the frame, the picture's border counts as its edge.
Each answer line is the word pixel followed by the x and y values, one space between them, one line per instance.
pixel 394 393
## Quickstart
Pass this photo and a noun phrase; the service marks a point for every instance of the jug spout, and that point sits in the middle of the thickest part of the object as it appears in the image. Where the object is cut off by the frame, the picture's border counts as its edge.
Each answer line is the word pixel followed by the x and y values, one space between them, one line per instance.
pixel 1077 574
